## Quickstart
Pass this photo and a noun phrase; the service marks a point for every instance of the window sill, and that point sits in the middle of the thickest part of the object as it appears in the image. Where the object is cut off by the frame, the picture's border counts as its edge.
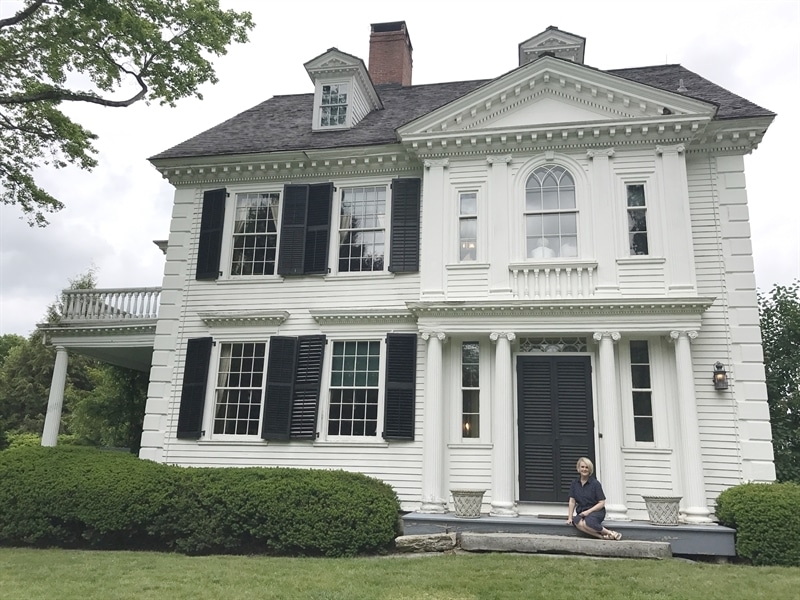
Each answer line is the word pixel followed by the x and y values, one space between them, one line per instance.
pixel 470 446
pixel 250 279
pixel 467 266
pixel 371 275
pixel 645 450
pixel 351 444
pixel 642 259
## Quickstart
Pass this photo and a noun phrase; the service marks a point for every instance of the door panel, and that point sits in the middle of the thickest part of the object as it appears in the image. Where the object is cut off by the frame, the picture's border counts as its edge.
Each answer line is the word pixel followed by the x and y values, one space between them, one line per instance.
pixel 555 422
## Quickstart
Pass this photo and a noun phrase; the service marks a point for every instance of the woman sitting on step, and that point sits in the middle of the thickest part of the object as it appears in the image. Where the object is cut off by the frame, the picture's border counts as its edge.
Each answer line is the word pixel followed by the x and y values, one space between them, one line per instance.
pixel 587 503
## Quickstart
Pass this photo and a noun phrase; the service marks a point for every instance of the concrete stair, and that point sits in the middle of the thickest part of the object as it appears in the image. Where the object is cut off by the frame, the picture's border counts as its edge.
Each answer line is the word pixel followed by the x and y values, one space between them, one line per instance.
pixel 531 543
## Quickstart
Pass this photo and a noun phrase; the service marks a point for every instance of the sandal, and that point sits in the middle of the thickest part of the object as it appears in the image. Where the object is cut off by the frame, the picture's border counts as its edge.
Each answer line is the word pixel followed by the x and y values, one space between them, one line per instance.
pixel 616 535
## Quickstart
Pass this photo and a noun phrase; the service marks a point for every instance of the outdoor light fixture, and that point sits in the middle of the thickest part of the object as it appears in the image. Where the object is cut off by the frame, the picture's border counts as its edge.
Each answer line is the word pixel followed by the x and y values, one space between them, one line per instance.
pixel 720 378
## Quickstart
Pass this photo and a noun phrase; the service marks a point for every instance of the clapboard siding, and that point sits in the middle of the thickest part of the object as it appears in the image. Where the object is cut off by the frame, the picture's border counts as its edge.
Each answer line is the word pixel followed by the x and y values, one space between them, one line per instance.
pixel 648 473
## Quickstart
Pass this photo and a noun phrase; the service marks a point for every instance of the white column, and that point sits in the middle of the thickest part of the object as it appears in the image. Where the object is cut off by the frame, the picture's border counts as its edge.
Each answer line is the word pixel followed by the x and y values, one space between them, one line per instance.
pixel 55 402
pixel 434 499
pixel 610 429
pixel 503 485
pixel 695 509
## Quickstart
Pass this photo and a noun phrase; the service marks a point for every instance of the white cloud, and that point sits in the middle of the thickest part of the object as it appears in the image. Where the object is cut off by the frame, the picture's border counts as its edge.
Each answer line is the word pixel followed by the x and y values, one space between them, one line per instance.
pixel 113 213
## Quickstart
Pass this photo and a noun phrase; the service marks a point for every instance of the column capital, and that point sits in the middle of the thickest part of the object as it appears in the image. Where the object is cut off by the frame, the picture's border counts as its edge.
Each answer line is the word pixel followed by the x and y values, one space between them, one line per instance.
pixel 675 334
pixel 496 335
pixel 613 335
pixel 443 163
pixel 678 149
pixel 439 335
pixel 607 152
pixel 493 160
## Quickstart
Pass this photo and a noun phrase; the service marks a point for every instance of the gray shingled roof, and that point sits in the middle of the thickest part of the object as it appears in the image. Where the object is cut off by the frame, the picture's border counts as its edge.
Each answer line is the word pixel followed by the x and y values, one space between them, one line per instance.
pixel 284 122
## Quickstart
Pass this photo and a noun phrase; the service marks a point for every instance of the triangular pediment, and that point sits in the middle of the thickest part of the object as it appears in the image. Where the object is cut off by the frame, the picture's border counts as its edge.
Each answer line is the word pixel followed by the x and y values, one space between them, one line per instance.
pixel 551 91
pixel 333 61
pixel 561 44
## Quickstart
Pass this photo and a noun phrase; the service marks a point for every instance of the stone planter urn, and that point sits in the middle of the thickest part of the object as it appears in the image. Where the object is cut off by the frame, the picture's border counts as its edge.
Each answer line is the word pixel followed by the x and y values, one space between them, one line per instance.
pixel 467 503
pixel 663 510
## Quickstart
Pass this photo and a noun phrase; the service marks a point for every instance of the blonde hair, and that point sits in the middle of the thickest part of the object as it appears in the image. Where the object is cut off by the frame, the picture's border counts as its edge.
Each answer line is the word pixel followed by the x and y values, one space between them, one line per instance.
pixel 585 461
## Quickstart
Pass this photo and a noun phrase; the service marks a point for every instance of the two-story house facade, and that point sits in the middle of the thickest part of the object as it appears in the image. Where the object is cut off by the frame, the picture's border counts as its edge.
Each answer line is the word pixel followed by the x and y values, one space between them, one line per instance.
pixel 469 284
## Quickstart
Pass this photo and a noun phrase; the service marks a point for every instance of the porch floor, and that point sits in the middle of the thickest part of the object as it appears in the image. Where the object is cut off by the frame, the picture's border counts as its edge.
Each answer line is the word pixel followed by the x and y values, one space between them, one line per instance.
pixel 686 540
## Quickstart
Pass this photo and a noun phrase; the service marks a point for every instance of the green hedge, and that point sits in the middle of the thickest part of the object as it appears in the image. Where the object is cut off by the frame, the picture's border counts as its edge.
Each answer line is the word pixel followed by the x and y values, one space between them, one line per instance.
pixel 77 497
pixel 767 521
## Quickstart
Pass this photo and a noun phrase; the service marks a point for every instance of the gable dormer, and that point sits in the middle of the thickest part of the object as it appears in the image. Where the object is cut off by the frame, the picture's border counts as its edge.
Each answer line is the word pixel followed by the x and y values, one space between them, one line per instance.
pixel 552 40
pixel 343 90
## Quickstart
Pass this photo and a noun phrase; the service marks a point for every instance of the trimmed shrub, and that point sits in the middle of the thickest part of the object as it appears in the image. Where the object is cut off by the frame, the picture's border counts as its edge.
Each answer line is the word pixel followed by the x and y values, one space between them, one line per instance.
pixel 77 497
pixel 766 519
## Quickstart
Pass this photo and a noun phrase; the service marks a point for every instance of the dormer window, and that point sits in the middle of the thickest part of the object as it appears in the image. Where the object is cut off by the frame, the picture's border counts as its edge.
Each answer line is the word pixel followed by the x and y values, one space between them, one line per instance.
pixel 343 91
pixel 333 105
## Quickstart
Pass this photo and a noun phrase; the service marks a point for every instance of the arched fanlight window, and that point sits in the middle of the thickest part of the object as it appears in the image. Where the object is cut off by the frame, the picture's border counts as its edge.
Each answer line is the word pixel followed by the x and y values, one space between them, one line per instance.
pixel 551 215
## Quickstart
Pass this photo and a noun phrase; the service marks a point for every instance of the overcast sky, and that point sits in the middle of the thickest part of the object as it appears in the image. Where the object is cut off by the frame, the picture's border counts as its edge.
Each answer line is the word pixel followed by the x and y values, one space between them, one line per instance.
pixel 114 213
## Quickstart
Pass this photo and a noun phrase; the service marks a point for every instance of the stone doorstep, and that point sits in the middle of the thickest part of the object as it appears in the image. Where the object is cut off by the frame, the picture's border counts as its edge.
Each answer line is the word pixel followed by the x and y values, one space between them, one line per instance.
pixel 529 543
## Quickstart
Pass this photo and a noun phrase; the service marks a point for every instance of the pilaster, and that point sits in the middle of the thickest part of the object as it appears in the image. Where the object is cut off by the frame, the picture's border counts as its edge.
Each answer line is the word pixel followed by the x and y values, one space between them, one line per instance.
pixel 677 220
pixel 433 251
pixel 606 222
pixel 499 225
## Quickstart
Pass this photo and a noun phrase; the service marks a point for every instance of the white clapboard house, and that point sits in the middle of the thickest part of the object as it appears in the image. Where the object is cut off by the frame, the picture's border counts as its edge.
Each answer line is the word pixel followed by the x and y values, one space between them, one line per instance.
pixel 458 285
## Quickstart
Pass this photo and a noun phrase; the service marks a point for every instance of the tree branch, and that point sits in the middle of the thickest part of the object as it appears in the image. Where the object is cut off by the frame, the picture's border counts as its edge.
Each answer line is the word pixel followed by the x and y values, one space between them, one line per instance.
pixel 22 15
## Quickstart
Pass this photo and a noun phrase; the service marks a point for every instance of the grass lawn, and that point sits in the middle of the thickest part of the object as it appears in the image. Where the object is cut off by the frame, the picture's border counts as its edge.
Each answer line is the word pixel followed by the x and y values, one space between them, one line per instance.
pixel 64 574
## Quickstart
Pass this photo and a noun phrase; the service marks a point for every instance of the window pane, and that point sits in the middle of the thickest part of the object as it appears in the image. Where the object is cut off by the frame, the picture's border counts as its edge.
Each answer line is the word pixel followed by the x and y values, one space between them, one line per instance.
pixel 642 406
pixel 470 393
pixel 639 352
pixel 635 195
pixel 469 204
pixel 471 427
pixel 643 429
pixel 641 376
pixel 639 244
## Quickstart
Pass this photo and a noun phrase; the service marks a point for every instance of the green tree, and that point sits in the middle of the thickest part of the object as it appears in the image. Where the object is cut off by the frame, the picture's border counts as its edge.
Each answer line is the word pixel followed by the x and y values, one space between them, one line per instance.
pixel 124 50
pixel 779 311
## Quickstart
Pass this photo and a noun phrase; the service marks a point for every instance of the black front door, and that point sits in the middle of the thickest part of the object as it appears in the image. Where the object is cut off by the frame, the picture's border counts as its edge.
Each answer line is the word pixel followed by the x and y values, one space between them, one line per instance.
pixel 555 422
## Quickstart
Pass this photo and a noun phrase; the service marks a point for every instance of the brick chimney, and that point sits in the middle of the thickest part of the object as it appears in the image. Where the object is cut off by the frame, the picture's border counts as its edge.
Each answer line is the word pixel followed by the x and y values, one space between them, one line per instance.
pixel 390 53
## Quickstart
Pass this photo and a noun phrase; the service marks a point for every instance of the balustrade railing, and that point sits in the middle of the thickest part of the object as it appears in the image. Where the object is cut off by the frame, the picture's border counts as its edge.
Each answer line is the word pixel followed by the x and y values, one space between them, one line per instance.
pixel 110 304
pixel 552 280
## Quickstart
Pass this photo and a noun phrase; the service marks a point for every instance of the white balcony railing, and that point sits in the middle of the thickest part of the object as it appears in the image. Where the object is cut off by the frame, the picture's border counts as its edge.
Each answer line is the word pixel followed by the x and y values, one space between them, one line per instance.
pixel 122 304
pixel 552 280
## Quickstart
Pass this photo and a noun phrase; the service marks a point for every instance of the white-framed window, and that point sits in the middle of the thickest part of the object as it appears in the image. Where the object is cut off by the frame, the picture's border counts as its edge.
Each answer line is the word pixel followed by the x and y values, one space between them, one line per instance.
pixel 551 214
pixel 239 388
pixel 637 219
pixel 333 105
pixel 254 243
pixel 354 392
pixel 362 229
pixel 470 390
pixel 467 226
pixel 642 391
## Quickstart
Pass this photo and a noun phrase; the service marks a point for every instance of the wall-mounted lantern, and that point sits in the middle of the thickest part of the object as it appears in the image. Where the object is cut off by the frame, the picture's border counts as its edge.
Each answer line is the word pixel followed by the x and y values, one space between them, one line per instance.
pixel 720 378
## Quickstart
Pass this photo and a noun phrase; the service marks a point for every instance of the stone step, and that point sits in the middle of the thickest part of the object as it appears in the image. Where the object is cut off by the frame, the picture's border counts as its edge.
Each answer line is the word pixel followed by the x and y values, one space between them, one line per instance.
pixel 531 543
pixel 556 544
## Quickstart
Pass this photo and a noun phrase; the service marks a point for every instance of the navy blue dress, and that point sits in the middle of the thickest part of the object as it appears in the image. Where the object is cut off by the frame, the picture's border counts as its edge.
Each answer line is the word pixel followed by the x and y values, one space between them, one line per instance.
pixel 586 496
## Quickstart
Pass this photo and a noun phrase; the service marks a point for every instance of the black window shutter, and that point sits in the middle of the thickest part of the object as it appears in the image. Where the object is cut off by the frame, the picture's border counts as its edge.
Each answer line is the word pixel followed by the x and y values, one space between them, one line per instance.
pixel 280 383
pixel 307 381
pixel 293 230
pixel 211 226
pixel 318 226
pixel 193 394
pixel 404 249
pixel 401 379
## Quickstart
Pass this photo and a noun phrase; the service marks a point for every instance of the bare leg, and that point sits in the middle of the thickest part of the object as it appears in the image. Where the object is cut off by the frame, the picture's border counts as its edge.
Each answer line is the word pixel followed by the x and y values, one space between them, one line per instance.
pixel 582 526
